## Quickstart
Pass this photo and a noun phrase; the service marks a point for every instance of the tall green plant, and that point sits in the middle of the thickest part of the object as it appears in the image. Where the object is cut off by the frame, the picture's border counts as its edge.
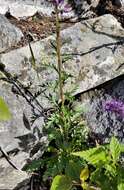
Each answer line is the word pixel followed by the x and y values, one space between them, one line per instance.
pixel 59 60
pixel 65 129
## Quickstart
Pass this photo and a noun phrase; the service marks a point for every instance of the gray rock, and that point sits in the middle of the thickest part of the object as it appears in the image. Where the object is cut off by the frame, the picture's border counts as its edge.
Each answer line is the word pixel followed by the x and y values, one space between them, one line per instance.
pixel 94 3
pixel 13 128
pixel 3 8
pixel 104 124
pixel 11 178
pixel 21 9
pixel 9 34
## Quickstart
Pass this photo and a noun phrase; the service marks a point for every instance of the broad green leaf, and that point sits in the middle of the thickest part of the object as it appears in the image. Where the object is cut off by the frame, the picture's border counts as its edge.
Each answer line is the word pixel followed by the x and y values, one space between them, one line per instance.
pixel 93 156
pixel 84 175
pixel 4 111
pixel 121 186
pixel 73 170
pixel 115 148
pixel 61 182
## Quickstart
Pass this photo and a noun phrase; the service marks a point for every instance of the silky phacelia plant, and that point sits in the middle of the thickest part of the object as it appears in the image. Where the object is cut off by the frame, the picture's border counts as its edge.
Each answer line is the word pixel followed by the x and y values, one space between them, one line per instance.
pixel 115 106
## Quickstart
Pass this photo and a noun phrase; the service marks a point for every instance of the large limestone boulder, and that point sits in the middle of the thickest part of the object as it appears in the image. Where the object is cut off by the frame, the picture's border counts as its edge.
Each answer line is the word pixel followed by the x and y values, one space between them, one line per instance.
pixel 93 51
pixel 21 9
pixel 9 34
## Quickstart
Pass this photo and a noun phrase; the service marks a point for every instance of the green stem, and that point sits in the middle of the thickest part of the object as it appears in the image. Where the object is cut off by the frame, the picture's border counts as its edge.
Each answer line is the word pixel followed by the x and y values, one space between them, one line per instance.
pixel 58 41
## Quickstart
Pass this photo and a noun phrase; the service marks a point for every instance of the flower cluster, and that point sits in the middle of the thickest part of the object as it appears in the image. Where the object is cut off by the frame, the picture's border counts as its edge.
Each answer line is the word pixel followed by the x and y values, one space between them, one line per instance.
pixel 62 6
pixel 115 106
pixel 58 1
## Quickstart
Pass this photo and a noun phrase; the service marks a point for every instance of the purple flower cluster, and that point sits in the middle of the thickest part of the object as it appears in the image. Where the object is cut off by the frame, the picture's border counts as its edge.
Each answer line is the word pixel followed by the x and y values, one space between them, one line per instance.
pixel 115 106
pixel 62 6
pixel 58 1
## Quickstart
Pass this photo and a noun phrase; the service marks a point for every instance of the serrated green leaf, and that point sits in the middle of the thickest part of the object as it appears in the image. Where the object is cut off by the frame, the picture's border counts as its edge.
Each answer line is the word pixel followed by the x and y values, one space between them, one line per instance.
pixel 93 155
pixel 115 148
pixel 61 182
pixel 4 111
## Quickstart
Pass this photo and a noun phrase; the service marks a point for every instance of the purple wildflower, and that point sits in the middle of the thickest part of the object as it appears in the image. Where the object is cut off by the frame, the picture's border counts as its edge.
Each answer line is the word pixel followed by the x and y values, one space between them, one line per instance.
pixel 59 1
pixel 62 6
pixel 115 106
pixel 67 8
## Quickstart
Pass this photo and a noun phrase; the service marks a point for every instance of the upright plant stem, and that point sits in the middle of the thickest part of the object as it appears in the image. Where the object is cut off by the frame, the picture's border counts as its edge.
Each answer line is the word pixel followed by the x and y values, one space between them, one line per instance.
pixel 59 61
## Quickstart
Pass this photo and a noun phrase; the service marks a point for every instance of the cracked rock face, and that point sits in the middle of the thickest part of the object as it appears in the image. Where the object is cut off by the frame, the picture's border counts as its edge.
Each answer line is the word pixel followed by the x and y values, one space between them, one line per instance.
pixel 9 34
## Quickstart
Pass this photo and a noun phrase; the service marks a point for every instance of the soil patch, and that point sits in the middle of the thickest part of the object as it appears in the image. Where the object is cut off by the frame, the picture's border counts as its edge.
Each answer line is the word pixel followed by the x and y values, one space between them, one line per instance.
pixel 35 28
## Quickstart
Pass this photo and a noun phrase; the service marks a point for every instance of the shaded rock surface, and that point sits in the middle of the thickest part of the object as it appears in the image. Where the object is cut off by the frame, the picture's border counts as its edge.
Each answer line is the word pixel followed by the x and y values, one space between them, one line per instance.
pixel 93 51
pixel 82 8
pixel 11 178
pixel 9 34
pixel 104 124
